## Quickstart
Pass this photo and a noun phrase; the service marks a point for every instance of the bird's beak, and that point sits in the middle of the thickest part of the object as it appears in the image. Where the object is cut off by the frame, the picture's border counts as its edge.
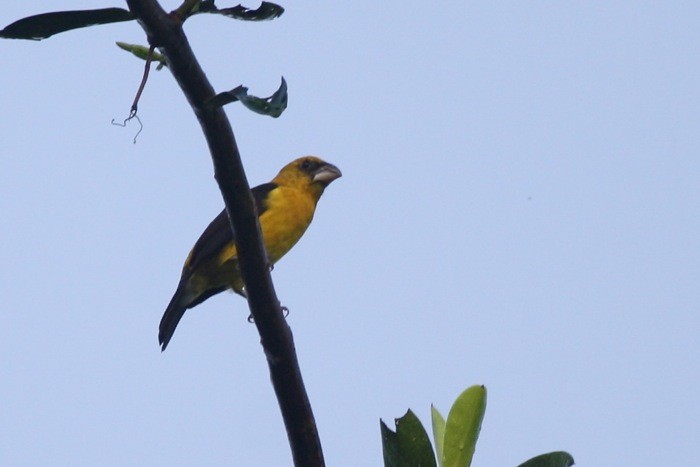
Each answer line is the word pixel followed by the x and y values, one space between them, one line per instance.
pixel 326 174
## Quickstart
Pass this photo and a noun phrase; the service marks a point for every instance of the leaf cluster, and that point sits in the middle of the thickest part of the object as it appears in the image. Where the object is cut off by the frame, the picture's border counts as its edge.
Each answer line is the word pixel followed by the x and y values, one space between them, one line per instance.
pixel 455 439
pixel 45 25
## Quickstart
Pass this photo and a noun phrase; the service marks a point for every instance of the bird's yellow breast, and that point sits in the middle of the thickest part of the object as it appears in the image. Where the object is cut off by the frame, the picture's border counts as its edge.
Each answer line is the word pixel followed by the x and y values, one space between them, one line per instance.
pixel 288 213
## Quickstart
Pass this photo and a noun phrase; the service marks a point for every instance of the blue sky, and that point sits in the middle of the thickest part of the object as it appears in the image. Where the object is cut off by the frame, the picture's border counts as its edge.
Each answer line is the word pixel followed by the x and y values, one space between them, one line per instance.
pixel 519 208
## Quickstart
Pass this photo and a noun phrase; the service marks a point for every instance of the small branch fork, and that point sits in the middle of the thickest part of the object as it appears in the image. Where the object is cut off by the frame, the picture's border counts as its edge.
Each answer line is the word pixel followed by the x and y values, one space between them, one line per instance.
pixel 165 32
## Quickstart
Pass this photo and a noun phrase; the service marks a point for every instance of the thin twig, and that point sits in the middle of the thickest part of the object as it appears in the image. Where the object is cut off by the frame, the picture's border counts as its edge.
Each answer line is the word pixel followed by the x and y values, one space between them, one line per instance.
pixel 184 10
pixel 146 70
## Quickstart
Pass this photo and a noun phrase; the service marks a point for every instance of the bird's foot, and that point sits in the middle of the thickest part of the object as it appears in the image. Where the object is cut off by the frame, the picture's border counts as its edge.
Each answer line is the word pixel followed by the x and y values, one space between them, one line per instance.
pixel 285 313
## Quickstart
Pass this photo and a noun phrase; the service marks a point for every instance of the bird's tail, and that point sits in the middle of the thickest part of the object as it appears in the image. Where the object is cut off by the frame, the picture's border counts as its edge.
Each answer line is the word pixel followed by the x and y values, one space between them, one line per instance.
pixel 173 313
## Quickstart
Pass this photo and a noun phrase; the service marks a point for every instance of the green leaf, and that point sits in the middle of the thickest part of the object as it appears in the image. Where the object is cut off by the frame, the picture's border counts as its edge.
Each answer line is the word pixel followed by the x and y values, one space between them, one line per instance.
pixel 272 106
pixel 266 11
pixel 141 51
pixel 438 432
pixel 45 25
pixel 390 446
pixel 552 459
pixel 409 446
pixel 463 426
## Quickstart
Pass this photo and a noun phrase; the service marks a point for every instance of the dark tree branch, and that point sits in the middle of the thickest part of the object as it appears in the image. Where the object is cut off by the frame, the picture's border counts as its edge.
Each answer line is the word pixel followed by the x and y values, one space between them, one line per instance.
pixel 165 32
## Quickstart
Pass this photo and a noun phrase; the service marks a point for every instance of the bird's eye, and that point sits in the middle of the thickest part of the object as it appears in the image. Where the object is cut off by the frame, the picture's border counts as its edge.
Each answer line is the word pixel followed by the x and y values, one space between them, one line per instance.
pixel 306 165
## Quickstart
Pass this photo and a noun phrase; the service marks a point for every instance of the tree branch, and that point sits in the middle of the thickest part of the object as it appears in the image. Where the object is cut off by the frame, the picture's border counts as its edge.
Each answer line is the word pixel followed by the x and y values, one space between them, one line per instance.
pixel 165 32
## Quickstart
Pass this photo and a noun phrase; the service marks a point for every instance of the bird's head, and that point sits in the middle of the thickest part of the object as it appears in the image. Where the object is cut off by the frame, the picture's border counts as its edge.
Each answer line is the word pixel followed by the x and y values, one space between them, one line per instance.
pixel 308 173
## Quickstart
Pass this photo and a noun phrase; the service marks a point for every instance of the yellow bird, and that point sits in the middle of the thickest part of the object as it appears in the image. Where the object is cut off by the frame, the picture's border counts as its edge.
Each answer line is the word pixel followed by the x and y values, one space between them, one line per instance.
pixel 285 208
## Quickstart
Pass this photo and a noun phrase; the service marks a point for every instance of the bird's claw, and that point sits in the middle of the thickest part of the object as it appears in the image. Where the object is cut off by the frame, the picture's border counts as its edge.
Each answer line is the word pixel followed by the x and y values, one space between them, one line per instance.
pixel 285 313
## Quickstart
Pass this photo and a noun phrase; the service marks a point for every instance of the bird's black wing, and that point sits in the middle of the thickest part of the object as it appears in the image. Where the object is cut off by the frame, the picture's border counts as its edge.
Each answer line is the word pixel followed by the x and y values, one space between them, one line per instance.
pixel 218 233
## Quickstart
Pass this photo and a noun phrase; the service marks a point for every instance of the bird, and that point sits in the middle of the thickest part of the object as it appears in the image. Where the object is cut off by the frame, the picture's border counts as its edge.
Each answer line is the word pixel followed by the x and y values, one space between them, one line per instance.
pixel 285 208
